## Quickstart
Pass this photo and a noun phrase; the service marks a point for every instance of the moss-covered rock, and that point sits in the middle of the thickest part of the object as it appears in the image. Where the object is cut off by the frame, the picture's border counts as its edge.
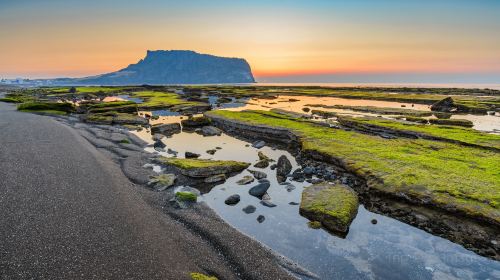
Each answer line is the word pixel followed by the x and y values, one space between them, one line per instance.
pixel 186 196
pixel 166 128
pixel 416 119
pixel 195 122
pixel 453 177
pixel 454 122
pixel 115 118
pixel 334 206
pixel 162 181
pixel 202 168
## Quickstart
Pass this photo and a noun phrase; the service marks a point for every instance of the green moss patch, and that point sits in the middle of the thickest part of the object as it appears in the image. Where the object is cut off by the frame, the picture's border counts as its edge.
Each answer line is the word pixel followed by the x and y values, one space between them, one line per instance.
pixel 334 206
pixel 113 117
pixel 186 196
pixel 190 163
pixel 377 110
pixel 157 99
pixel 446 175
pixel 203 167
pixel 454 122
pixel 466 136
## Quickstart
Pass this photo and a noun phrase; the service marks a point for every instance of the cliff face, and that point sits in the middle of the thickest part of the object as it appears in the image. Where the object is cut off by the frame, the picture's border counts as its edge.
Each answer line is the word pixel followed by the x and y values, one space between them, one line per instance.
pixel 177 67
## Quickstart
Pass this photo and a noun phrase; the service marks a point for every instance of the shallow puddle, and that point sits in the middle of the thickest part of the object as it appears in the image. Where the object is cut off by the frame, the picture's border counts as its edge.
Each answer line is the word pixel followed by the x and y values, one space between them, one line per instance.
pixel 388 249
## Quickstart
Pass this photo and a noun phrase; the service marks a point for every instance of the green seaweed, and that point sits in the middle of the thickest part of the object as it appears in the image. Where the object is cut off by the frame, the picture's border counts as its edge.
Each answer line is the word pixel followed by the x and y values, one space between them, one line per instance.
pixel 444 174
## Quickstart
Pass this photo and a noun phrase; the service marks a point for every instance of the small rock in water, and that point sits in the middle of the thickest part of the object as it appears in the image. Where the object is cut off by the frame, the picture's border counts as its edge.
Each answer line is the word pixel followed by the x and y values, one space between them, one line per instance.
pixel 249 209
pixel 261 219
pixel 289 187
pixel 273 166
pixel 283 169
pixel 157 136
pixel 258 174
pixel 233 199
pixel 262 156
pixel 308 171
pixel 258 144
pixel 215 178
pixel 267 203
pixel 261 164
pixel 293 203
pixel 247 179
pixel 211 152
pixel 374 221
pixel 172 152
pixel 191 155
pixel 159 146
pixel 210 131
pixel 218 148
pixel 260 189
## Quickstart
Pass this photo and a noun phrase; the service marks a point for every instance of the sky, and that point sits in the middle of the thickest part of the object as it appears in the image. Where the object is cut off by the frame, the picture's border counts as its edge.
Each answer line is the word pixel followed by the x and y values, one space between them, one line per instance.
pixel 284 41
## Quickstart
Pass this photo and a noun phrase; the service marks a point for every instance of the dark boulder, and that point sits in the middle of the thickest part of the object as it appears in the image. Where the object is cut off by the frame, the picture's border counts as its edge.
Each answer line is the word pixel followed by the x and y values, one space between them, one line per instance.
pixel 191 155
pixel 260 189
pixel 249 209
pixel 233 199
pixel 444 105
pixel 284 167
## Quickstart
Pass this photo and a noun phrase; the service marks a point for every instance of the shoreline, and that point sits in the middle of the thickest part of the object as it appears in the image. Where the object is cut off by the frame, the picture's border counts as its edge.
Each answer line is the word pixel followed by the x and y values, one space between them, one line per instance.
pixel 226 252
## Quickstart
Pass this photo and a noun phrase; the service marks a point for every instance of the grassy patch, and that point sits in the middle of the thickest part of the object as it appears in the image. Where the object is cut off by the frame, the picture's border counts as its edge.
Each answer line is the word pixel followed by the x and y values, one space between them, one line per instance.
pixel 446 174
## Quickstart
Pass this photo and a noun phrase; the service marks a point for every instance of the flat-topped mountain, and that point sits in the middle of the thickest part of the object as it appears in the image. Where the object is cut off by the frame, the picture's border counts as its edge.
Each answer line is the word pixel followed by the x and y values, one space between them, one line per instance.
pixel 174 67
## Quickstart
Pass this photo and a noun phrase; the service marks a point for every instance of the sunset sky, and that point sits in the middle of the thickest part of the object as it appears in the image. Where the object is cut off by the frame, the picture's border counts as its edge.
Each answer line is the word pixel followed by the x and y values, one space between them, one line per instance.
pixel 282 40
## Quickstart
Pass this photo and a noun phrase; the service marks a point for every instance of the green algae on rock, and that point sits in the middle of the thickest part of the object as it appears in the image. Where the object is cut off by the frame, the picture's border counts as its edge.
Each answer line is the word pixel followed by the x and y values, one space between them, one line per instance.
pixel 186 196
pixel 202 168
pixel 465 136
pixel 451 177
pixel 454 122
pixel 334 206
pixel 113 117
